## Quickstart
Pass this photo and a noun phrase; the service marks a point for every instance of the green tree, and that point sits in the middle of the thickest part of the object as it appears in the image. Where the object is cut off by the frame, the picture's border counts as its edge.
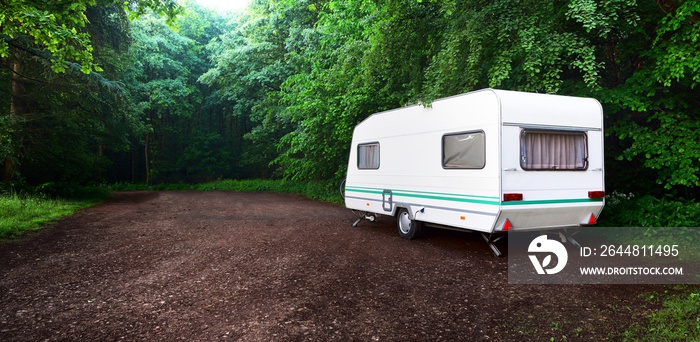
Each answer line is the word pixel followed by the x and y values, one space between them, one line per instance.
pixel 162 87
pixel 59 27
pixel 37 36
pixel 655 114
pixel 361 57
pixel 276 91
pixel 250 64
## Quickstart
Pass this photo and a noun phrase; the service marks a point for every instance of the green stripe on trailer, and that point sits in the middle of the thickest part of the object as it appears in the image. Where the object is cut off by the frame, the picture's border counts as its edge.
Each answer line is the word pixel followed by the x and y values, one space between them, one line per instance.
pixel 488 200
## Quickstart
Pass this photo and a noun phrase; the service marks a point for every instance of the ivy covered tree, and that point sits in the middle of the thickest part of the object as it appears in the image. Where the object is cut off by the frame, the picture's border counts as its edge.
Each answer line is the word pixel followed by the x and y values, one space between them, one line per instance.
pixel 654 107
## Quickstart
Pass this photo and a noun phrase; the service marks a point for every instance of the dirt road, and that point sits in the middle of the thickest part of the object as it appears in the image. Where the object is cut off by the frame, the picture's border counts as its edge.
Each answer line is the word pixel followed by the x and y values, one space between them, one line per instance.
pixel 190 266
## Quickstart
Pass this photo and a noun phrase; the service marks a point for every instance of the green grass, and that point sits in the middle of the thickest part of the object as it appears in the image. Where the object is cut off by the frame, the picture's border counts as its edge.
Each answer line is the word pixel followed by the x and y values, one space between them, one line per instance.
pixel 326 191
pixel 22 213
pixel 677 320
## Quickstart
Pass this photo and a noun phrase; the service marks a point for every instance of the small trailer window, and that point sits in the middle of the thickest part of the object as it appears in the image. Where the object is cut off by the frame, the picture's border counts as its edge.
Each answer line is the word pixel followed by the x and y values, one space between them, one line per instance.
pixel 368 156
pixel 464 150
pixel 553 150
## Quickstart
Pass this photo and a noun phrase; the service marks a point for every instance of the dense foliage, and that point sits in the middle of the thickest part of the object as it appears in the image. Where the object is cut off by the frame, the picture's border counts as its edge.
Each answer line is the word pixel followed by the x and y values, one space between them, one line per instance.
pixel 101 91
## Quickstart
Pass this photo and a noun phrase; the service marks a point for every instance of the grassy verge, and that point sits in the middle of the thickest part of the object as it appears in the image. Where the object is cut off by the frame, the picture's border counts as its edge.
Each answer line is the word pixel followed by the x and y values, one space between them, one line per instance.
pixel 22 213
pixel 660 221
pixel 326 191
pixel 678 320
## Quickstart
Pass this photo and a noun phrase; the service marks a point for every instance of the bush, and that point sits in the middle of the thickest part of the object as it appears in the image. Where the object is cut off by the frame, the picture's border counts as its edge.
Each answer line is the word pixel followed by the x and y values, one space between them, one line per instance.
pixel 71 191
pixel 316 190
pixel 625 210
pixel 326 191
pixel 658 219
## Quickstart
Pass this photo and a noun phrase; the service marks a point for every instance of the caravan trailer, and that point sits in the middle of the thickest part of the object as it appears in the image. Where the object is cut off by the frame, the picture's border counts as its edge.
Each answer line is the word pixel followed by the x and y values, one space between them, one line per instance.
pixel 490 161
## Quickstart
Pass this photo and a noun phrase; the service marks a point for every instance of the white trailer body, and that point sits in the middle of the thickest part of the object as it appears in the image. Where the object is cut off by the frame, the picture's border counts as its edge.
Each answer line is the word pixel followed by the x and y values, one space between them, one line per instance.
pixel 489 161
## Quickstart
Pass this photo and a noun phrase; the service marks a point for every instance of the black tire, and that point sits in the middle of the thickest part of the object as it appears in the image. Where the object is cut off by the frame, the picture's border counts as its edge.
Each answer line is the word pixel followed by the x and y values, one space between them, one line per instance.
pixel 341 188
pixel 408 228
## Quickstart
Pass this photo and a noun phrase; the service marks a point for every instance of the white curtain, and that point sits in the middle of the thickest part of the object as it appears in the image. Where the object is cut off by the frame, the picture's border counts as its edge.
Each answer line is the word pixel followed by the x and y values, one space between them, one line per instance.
pixel 368 156
pixel 554 151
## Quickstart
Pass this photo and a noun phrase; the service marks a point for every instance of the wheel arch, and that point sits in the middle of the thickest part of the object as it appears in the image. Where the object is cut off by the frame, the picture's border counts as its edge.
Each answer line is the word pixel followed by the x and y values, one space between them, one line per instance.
pixel 400 205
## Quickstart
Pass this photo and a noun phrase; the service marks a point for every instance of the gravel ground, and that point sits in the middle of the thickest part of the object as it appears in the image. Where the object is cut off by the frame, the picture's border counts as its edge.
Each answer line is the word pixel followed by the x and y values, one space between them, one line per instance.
pixel 149 266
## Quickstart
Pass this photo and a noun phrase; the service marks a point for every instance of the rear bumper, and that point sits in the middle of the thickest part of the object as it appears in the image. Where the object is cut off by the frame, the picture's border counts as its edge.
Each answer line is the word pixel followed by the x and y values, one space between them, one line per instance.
pixel 525 217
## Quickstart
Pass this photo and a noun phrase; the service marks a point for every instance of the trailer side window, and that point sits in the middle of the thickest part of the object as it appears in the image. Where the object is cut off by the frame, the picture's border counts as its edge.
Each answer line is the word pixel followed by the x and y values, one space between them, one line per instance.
pixel 368 156
pixel 464 150
pixel 553 150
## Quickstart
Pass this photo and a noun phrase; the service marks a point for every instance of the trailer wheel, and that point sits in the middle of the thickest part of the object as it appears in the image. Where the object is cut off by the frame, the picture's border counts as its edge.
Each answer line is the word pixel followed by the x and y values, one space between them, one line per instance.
pixel 341 188
pixel 408 228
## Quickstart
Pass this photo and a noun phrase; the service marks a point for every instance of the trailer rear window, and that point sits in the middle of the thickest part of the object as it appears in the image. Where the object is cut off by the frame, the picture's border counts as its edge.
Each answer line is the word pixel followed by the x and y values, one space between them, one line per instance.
pixel 464 150
pixel 553 150
pixel 368 156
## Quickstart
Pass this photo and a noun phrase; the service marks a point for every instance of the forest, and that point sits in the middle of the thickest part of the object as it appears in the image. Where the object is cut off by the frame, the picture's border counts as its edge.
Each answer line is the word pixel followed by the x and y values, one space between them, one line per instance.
pixel 163 92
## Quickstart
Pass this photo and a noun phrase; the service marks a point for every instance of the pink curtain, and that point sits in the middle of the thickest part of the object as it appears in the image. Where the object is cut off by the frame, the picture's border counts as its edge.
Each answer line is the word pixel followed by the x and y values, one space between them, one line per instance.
pixel 554 151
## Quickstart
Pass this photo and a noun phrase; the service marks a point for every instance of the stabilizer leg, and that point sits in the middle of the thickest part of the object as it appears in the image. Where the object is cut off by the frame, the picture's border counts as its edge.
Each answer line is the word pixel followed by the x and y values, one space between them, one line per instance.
pixel 491 242
pixel 566 236
pixel 364 215
pixel 357 222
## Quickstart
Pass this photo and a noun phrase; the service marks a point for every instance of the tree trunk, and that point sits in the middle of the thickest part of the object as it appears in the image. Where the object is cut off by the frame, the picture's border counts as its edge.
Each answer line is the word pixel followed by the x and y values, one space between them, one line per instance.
pixel 148 168
pixel 133 160
pixel 15 112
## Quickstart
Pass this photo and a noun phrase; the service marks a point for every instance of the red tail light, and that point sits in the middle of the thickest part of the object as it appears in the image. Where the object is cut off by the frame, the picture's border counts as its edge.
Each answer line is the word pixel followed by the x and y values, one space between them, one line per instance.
pixel 512 197
pixel 596 194
pixel 592 220
pixel 507 225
